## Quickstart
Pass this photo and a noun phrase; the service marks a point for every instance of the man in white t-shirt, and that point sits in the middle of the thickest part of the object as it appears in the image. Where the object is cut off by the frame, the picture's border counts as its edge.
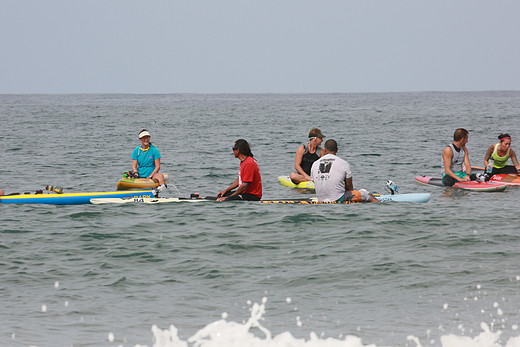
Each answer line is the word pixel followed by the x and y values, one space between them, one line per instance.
pixel 333 178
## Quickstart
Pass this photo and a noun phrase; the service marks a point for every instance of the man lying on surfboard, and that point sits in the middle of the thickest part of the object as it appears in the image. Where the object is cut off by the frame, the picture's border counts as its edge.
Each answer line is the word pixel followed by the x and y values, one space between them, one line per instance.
pixel 333 178
pixel 454 157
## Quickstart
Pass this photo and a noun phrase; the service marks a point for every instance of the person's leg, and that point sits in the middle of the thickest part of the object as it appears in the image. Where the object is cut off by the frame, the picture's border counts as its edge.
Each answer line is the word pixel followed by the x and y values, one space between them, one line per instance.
pixel 159 178
pixel 448 181
pixel 297 178
pixel 509 169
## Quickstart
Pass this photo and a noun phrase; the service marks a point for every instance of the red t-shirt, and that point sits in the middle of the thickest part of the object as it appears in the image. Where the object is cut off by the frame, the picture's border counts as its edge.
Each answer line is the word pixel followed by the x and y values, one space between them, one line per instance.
pixel 250 173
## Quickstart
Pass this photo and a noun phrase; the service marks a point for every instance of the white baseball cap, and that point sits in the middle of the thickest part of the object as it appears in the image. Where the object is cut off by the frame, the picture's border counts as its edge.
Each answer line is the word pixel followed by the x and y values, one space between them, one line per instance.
pixel 144 133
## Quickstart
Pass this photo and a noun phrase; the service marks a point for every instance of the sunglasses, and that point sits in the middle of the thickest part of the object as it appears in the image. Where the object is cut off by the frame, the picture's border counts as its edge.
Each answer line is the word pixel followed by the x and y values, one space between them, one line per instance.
pixel 235 148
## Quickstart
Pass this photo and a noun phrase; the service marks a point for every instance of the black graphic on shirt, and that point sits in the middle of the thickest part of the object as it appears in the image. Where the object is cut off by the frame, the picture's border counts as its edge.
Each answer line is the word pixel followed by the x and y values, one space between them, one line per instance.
pixel 325 166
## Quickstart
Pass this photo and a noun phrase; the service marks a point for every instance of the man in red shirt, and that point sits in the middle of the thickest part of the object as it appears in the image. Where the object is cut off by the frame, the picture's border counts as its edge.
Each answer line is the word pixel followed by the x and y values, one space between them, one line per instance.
pixel 249 181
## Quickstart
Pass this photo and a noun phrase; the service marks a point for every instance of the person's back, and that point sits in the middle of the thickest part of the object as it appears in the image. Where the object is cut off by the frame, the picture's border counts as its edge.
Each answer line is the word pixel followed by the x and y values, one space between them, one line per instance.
pixel 333 179
pixel 329 174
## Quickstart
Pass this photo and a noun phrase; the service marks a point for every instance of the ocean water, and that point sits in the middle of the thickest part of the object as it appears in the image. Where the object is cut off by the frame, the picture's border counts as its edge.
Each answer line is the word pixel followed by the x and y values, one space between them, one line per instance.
pixel 444 273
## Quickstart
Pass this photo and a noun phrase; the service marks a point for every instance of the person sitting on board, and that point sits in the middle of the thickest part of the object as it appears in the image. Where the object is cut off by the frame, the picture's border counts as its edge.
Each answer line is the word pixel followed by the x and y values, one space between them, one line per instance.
pixel 454 157
pixel 306 156
pixel 249 182
pixel 500 153
pixel 2 192
pixel 146 160
pixel 333 178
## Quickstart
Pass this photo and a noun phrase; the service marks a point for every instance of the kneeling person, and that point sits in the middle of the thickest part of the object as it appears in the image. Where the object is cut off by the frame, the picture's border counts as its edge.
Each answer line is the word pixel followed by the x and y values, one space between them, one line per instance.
pixel 454 158
pixel 333 179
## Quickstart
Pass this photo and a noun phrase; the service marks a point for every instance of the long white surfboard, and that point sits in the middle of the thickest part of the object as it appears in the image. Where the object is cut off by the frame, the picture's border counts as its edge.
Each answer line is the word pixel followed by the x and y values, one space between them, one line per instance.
pixel 143 200
pixel 410 197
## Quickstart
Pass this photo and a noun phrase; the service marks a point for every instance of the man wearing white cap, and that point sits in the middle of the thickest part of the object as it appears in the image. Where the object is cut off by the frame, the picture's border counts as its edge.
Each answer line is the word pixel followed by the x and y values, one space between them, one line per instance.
pixel 146 160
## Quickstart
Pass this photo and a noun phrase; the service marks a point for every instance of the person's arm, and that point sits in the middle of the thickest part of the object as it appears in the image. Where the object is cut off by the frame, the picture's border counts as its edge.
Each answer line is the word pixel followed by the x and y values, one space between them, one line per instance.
pixel 447 155
pixel 242 188
pixel 298 161
pixel 466 161
pixel 348 184
pixel 488 155
pixel 157 163
pixel 514 159
pixel 134 165
pixel 221 195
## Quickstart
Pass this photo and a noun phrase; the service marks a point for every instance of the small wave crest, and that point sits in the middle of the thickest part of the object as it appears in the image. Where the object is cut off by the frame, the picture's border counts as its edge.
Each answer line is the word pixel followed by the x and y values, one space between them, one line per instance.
pixel 223 333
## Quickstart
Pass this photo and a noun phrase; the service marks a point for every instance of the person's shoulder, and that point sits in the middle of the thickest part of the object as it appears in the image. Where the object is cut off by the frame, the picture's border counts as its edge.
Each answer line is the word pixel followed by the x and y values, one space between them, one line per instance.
pixel 344 161
pixel 250 162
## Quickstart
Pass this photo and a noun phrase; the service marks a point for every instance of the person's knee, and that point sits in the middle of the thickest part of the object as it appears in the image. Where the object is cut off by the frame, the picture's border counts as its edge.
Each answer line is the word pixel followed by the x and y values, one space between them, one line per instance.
pixel 365 195
pixel 448 181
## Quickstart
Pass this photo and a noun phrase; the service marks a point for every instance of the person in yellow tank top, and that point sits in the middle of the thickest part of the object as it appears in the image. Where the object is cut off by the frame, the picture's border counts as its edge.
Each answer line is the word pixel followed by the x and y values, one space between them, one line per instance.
pixel 500 153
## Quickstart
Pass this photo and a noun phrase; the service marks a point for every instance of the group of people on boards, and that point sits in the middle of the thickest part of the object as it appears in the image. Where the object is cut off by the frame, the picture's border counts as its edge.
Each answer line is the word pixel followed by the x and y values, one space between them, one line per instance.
pixel 457 168
pixel 331 175
pixel 146 162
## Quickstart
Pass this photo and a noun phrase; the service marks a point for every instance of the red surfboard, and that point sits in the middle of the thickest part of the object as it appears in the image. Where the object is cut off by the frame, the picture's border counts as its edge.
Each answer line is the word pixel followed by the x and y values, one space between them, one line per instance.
pixel 469 185
pixel 508 179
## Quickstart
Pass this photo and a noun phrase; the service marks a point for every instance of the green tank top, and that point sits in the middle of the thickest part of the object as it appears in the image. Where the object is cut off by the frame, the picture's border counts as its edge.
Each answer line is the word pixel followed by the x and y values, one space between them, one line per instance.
pixel 499 162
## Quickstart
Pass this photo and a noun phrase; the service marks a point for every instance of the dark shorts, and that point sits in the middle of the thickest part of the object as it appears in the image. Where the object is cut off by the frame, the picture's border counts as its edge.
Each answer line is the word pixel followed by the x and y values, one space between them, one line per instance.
pixel 449 181
pixel 509 169
pixel 243 196
pixel 346 197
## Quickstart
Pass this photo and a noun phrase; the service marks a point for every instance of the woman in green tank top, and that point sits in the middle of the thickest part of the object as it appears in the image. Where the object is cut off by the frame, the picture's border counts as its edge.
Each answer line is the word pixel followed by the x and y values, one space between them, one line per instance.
pixel 500 153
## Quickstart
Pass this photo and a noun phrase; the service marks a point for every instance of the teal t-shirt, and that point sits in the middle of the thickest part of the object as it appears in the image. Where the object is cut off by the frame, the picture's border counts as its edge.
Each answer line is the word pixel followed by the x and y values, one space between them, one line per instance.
pixel 146 160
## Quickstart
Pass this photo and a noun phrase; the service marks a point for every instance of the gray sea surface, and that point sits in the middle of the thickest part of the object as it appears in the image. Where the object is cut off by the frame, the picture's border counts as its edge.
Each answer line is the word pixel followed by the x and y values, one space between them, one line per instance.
pixel 103 275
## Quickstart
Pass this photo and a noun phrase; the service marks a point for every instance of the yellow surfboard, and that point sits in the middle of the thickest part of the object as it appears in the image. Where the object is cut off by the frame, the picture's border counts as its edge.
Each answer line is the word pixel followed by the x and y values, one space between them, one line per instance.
pixel 138 183
pixel 287 182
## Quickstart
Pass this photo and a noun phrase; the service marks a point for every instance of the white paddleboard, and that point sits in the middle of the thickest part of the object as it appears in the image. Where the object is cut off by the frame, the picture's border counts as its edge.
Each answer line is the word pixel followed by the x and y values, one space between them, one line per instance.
pixel 143 200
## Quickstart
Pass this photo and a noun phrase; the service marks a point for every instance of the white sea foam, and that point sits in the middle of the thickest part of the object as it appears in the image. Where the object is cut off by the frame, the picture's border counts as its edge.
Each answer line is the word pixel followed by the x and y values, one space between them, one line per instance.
pixel 223 333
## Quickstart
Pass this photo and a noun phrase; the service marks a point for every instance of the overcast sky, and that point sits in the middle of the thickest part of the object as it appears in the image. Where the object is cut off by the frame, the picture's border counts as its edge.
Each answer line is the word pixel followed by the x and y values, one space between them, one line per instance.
pixel 245 46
